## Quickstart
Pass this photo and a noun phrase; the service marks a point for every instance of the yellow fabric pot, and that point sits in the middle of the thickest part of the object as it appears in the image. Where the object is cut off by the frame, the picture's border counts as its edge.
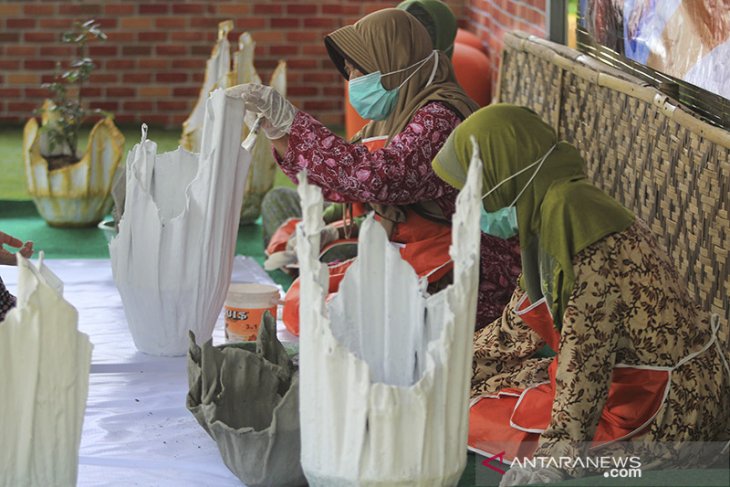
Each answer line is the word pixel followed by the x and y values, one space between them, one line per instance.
pixel 76 195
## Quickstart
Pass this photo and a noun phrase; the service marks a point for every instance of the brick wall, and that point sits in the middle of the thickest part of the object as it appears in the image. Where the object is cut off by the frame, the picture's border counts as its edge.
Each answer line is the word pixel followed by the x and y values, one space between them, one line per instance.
pixel 490 19
pixel 151 67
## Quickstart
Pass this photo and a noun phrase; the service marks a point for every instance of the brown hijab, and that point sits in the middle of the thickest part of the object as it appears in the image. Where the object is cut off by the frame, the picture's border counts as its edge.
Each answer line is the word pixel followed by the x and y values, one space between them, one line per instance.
pixel 389 40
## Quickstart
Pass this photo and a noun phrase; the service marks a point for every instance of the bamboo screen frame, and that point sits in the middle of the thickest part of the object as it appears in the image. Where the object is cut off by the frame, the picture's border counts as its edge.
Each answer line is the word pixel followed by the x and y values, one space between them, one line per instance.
pixel 666 165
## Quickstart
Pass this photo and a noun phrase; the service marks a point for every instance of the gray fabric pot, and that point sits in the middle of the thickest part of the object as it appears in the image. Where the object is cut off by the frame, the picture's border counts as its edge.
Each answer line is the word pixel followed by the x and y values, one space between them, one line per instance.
pixel 246 396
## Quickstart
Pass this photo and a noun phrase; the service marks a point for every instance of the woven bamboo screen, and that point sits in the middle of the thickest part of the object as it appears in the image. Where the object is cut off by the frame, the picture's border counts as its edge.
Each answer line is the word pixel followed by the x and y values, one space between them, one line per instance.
pixel 657 159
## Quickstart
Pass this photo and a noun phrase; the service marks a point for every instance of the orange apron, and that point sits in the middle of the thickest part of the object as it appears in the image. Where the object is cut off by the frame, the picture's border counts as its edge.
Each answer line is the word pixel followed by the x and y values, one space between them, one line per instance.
pixel 512 420
pixel 423 243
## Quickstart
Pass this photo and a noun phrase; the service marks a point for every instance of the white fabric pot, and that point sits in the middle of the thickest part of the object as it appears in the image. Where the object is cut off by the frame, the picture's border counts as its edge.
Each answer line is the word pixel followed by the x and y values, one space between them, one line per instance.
pixel 216 72
pixel 44 382
pixel 173 255
pixel 385 368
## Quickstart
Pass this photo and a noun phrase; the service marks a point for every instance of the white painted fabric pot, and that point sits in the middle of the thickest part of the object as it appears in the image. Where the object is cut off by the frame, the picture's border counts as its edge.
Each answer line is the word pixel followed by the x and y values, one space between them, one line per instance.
pixel 216 72
pixel 44 382
pixel 173 254
pixel 385 368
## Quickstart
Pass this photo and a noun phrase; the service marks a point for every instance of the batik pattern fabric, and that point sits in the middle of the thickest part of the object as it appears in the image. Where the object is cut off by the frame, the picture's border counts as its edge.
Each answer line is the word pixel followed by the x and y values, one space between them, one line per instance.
pixel 399 174
pixel 7 300
pixel 628 307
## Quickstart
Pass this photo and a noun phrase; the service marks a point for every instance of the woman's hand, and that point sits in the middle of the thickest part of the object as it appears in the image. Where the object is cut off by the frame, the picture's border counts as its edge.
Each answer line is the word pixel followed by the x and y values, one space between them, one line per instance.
pixel 278 113
pixel 8 258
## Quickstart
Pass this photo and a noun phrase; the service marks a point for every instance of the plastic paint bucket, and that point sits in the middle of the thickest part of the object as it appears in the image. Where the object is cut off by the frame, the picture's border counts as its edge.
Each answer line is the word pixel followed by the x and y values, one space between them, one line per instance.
pixel 245 306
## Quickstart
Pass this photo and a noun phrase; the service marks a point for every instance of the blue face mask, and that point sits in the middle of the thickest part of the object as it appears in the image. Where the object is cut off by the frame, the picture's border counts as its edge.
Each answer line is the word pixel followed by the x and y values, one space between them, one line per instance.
pixel 503 222
pixel 369 97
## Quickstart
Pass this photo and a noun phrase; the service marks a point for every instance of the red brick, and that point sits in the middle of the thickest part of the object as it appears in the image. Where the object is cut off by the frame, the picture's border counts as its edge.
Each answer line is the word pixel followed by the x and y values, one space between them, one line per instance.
pixel 10 9
pixel 188 8
pixel 301 91
pixel 204 23
pixel 187 91
pixel 153 91
pixel 154 63
pixel 21 106
pixel 197 77
pixel 284 23
pixel 137 77
pixel 91 92
pixel 118 9
pixel 266 9
pixel 251 23
pixel 54 51
pixel 306 9
pixel 188 36
pixel 171 50
pixel 328 22
pixel 38 10
pixel 189 64
pixel 302 36
pixel 200 50
pixel 232 9
pixel 301 63
pixel 20 51
pixel 12 92
pixel 152 36
pixel 24 79
pixel 9 36
pixel 285 50
pixel 119 92
pixel 172 22
pixel 25 23
pixel 55 23
pixel 109 106
pixel 38 64
pixel 102 50
pixel 40 36
pixel 172 77
pixel 318 50
pixel 153 8
pixel 137 105
pixel 136 50
pixel 174 105
pixel 79 9
pixel 137 23
pixel 120 37
pixel 10 64
pixel 119 64
pixel 103 78
pixel 321 105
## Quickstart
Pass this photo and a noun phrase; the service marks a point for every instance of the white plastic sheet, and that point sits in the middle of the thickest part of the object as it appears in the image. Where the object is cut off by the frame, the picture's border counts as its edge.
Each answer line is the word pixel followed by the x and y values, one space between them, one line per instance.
pixel 172 257
pixel 44 381
pixel 385 368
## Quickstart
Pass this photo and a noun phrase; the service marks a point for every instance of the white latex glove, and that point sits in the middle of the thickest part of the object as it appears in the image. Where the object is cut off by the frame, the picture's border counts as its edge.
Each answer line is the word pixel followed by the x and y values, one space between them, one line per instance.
pixel 259 99
pixel 527 476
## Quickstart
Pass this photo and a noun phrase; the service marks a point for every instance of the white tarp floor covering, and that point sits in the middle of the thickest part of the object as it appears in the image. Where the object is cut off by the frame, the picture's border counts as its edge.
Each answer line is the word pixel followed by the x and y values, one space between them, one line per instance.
pixel 137 430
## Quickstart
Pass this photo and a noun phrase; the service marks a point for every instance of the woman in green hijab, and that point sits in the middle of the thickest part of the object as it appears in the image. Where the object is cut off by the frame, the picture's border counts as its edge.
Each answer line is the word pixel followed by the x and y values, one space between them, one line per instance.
pixel 635 357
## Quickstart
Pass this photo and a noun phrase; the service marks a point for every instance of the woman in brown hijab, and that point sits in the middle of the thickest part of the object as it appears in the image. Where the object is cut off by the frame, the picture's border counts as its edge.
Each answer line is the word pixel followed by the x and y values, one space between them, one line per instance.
pixel 409 93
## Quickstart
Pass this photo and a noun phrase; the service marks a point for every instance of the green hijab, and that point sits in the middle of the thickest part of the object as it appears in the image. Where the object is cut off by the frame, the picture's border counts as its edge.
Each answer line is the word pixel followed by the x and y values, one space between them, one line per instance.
pixel 437 18
pixel 559 214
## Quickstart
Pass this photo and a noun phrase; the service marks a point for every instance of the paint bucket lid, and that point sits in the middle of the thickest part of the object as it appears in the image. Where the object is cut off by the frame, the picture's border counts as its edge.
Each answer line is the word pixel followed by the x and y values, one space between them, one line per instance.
pixel 251 295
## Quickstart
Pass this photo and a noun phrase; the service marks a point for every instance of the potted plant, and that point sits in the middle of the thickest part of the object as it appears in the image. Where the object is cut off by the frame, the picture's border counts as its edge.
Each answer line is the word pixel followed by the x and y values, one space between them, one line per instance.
pixel 70 188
